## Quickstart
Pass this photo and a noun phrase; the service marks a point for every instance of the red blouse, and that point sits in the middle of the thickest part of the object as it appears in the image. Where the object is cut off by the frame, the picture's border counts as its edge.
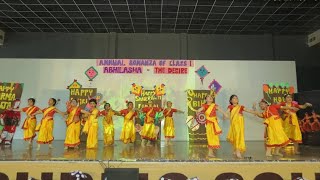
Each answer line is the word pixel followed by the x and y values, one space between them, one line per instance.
pixel 124 112
pixel 170 114
pixel 78 112
pixel 153 113
pixel 213 112
pixel 272 110
pixel 35 109
pixel 291 105
pixel 230 107
pixel 51 113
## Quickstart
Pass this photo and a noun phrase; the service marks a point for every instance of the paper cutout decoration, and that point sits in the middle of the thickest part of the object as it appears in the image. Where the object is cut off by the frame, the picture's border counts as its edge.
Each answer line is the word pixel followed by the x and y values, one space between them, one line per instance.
pixel 16 104
pixel 201 118
pixel 266 87
pixel 160 90
pixel 142 116
pixel 158 117
pixel 215 86
pixel 291 90
pixel 202 73
pixel 91 73
pixel 74 85
pixel 192 123
pixel 136 89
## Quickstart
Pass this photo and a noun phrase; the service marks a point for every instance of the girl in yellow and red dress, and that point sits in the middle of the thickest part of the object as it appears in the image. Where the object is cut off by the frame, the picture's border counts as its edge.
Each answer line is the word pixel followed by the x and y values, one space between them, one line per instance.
pixel 306 124
pixel 148 129
pixel 236 132
pixel 315 125
pixel 45 127
pixel 291 123
pixel 108 127
pixel 73 124
pixel 29 125
pixel 128 133
pixel 91 126
pixel 275 135
pixel 169 130
pixel 213 129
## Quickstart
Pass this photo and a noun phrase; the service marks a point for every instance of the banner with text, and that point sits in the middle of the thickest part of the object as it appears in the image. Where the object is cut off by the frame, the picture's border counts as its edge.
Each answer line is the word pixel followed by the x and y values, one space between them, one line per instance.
pixel 83 95
pixel 142 101
pixel 9 92
pixel 197 132
pixel 136 66
pixel 275 94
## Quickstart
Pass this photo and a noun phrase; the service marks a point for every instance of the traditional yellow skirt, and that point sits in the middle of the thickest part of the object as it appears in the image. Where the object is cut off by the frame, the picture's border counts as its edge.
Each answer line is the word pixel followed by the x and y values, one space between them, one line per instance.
pixel 91 129
pixel 128 133
pixel 72 135
pixel 147 132
pixel 108 133
pixel 291 128
pixel 45 129
pixel 29 128
pixel 236 134
pixel 276 137
pixel 213 131
pixel 169 131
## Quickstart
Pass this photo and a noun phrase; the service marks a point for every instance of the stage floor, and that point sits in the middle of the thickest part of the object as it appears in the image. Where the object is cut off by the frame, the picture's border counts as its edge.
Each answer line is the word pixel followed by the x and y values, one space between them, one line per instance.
pixel 177 152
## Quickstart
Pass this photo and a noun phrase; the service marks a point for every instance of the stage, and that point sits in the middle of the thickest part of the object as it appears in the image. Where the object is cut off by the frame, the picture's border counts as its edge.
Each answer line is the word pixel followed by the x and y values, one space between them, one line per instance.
pixel 188 160
pixel 177 152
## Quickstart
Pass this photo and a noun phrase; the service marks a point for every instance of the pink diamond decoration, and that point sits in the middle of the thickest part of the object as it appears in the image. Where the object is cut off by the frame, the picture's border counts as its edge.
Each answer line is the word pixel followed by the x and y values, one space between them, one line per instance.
pixel 91 73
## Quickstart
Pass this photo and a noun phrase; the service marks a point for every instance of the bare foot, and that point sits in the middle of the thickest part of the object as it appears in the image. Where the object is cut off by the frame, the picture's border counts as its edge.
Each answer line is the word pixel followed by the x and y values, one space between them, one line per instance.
pixel 77 147
pixel 50 146
pixel 211 155
pixel 268 154
pixel 149 144
pixel 66 148
pixel 38 148
pixel 239 155
pixel 279 154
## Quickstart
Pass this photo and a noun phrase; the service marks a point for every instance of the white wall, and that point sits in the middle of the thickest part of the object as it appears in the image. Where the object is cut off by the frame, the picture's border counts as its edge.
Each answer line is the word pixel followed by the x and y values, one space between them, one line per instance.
pixel 45 78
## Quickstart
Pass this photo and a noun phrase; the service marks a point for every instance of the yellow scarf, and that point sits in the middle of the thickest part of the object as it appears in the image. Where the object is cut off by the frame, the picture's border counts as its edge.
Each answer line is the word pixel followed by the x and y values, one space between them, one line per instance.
pixel 208 112
pixel 148 118
pixel 71 116
pixel 46 112
pixel 129 115
pixel 235 112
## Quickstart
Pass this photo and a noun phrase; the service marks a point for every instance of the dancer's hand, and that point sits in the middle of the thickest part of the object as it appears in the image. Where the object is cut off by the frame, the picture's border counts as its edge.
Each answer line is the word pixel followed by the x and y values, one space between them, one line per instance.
pixel 254 106
pixel 308 104
pixel 294 108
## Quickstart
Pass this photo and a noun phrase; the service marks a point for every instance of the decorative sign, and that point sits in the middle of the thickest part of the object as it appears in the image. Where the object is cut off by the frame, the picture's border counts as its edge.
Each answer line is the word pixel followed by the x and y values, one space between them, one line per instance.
pixel 91 73
pixel 274 92
pixel 160 90
pixel 9 92
pixel 195 99
pixel 202 73
pixel 142 101
pixel 74 84
pixel 136 89
pixel 135 66
pixel 147 95
pixel 83 95
pixel 215 86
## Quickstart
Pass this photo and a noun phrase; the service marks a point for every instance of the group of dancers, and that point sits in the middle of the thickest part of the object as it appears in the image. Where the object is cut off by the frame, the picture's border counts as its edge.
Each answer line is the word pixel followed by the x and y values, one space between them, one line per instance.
pixel 75 117
pixel 279 132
